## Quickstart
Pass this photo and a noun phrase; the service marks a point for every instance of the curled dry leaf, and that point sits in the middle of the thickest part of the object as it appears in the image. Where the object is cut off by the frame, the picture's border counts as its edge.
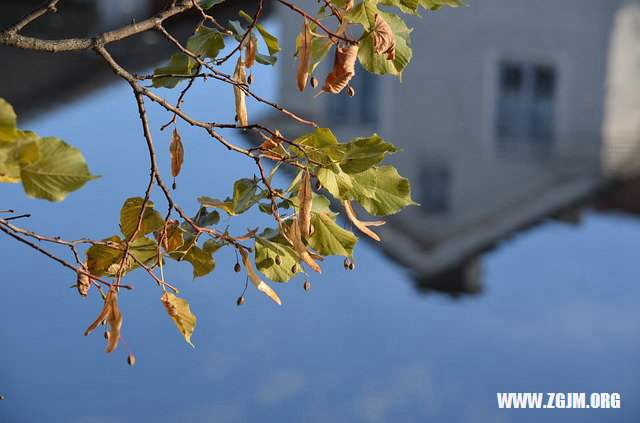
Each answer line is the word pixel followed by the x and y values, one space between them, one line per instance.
pixel 240 76
pixel 179 311
pixel 250 51
pixel 259 283
pixel 177 153
pixel 304 204
pixel 304 54
pixel 111 312
pixel 383 39
pixel 294 237
pixel 361 225
pixel 343 69
pixel 84 283
pixel 271 143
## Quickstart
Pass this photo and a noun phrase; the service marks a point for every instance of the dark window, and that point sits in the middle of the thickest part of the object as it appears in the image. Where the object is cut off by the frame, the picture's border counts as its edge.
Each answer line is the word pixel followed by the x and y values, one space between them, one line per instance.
pixel 359 109
pixel 525 108
pixel 435 187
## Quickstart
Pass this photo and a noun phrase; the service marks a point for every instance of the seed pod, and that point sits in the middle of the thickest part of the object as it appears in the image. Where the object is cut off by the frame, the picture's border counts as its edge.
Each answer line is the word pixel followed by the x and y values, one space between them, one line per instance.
pixel 352 266
pixel 240 301
pixel 1 397
pixel 351 91
pixel 250 51
pixel 307 286
pixel 131 360
pixel 174 185
pixel 250 79
pixel 236 268
pixel 314 81
pixel 347 262
pixel 240 76
pixel 294 269
pixel 106 334
pixel 278 260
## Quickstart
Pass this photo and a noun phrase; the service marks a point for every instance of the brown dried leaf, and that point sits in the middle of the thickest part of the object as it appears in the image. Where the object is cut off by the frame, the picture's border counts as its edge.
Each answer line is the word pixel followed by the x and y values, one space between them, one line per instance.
pixel 361 225
pixel 115 322
pixel 343 69
pixel 293 235
pixel 304 204
pixel 304 54
pixel 177 153
pixel 250 51
pixel 111 312
pixel 259 283
pixel 101 316
pixel 383 39
pixel 84 283
pixel 240 76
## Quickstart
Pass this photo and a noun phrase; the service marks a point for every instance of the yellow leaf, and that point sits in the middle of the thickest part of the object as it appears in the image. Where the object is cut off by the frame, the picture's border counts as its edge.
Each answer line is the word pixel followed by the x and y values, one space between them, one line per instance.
pixel 178 310
pixel 259 283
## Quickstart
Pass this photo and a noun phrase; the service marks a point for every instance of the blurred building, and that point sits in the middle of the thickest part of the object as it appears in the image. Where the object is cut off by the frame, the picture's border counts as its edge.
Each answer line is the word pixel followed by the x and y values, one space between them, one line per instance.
pixel 510 111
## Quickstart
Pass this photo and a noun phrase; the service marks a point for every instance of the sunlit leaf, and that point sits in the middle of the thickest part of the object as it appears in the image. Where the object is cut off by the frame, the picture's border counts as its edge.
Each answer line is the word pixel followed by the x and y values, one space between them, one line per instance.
pixel 362 153
pixel 130 213
pixel 179 64
pixel 202 262
pixel 179 311
pixel 265 256
pixel 329 238
pixel 60 170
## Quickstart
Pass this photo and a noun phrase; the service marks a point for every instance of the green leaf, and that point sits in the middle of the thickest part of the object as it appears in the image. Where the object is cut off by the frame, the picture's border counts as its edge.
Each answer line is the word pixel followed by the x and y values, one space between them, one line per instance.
pixel 437 4
pixel 321 146
pixel 381 191
pixel 202 262
pixel 330 239
pixel 105 261
pixel 212 245
pixel 237 29
pixel 206 43
pixel 270 40
pixel 337 182
pixel 226 205
pixel 8 121
pixel 244 195
pixel 364 13
pixel 265 253
pixel 362 153
pixel 407 6
pixel 206 4
pixel 321 204
pixel 60 170
pixel 102 259
pixel 179 64
pixel 129 213
pixel 179 311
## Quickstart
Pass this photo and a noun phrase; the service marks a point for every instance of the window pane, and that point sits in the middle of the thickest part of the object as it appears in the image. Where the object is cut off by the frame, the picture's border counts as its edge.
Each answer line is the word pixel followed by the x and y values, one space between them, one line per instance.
pixel 434 187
